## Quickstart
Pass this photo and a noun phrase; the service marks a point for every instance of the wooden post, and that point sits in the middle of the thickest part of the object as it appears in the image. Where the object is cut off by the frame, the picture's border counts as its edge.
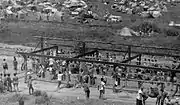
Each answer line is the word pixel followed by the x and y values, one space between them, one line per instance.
pixel 56 50
pixel 83 47
pixel 25 68
pixel 42 47
pixel 129 51
pixel 139 63
pixel 97 54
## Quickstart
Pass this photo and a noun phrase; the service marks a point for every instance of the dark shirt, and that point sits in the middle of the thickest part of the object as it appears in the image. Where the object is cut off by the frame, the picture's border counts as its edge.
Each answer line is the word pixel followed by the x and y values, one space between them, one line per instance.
pixel 15 79
pixel 86 87
pixel 9 80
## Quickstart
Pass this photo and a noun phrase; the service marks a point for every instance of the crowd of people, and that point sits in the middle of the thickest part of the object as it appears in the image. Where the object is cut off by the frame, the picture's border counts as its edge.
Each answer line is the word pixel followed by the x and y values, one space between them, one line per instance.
pixel 162 98
pixel 9 83
pixel 61 70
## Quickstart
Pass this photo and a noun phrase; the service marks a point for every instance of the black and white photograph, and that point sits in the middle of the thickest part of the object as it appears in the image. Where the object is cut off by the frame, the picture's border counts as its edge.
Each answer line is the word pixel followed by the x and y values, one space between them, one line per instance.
pixel 89 52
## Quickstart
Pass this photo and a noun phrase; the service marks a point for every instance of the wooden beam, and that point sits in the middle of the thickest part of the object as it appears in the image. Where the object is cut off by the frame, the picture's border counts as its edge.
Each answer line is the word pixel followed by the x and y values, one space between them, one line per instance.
pixel 102 62
pixel 131 58
pixel 44 49
pixel 82 55
pixel 124 51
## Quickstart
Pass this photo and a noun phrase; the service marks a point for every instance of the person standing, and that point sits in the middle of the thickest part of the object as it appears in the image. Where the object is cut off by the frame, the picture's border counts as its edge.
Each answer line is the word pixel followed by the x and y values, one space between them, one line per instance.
pixel 5 66
pixel 139 98
pixel 9 83
pixel 1 83
pixel 15 64
pixel 101 89
pixel 60 75
pixel 1 77
pixel 163 97
pixel 30 85
pixel 15 82
pixel 86 90
pixel 5 82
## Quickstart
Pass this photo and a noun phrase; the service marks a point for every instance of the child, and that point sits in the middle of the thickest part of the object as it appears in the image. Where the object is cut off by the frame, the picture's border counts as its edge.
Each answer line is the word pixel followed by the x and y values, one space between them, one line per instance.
pixel 9 83
pixel 30 85
pixel 101 89
pixel 15 82
pixel 86 90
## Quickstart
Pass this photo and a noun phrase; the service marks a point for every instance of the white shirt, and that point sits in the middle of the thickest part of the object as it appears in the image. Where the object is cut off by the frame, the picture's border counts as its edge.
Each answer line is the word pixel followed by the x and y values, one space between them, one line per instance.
pixel 51 61
pixel 60 77
pixel 64 63
pixel 116 83
pixel 139 96
pixel 102 86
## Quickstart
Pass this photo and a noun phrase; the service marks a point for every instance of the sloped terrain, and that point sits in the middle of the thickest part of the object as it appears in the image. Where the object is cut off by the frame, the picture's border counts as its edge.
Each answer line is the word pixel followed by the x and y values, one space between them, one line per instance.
pixel 21 32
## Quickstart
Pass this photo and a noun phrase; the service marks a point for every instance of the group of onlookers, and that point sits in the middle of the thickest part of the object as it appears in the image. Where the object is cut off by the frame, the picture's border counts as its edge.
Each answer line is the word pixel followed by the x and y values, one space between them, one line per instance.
pixel 162 98
pixel 7 82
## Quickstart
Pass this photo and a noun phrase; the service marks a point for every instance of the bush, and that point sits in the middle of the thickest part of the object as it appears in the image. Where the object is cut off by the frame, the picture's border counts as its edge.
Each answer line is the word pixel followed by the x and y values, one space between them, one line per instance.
pixel 171 32
pixel 37 93
pixel 18 98
pixel 42 98
pixel 147 26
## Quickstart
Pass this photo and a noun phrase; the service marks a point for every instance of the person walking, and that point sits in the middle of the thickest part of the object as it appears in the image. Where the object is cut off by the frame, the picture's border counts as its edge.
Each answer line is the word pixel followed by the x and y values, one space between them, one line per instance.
pixel 101 89
pixel 60 76
pixel 15 82
pixel 30 85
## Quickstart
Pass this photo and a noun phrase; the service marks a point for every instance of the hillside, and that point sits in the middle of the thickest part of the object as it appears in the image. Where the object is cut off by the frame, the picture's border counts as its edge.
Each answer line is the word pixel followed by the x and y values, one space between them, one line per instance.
pixel 21 32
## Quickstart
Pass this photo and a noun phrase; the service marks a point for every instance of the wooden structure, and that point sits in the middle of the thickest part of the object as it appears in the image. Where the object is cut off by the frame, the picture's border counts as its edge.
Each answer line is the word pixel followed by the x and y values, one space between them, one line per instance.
pixel 94 50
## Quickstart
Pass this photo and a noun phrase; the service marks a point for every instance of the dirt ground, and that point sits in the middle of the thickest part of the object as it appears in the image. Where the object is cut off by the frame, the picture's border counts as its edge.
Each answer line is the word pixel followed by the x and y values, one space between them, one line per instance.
pixel 64 96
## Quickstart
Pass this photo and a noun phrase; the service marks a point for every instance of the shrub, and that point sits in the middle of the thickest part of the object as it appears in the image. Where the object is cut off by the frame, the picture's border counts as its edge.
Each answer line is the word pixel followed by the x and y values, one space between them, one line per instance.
pixel 42 98
pixel 171 32
pixel 147 26
pixel 37 93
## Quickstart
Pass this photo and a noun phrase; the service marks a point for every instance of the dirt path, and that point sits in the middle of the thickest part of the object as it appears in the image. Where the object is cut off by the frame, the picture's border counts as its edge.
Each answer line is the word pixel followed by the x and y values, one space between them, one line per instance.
pixel 78 93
